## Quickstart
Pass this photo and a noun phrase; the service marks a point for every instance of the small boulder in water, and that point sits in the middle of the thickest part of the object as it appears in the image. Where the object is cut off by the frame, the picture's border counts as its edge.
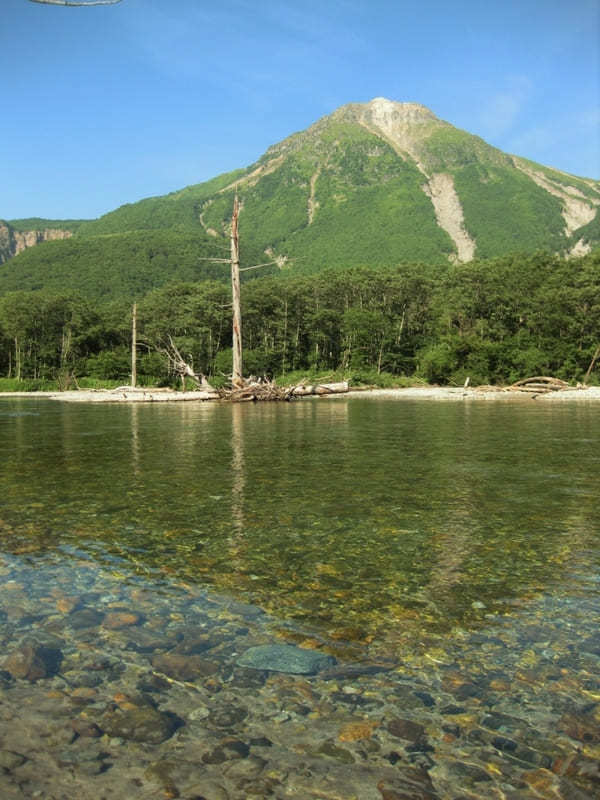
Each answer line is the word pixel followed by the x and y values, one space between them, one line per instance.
pixel 285 658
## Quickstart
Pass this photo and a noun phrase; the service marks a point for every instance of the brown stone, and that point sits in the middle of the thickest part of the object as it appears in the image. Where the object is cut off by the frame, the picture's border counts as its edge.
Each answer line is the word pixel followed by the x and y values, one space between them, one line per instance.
pixel 542 780
pixel 228 750
pixel 140 724
pixel 184 668
pixel 32 662
pixel 84 691
pixel 499 685
pixel 406 729
pixel 67 604
pixel 115 620
pixel 86 728
pixel 355 731
pixel 582 727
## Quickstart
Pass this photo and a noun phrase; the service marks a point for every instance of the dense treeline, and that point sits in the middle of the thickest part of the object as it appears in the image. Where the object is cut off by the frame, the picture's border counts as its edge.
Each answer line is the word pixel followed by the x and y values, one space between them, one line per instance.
pixel 494 321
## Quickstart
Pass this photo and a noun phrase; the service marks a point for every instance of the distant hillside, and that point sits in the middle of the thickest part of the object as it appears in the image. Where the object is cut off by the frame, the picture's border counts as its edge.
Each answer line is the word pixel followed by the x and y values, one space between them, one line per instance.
pixel 115 265
pixel 19 234
pixel 181 209
pixel 372 184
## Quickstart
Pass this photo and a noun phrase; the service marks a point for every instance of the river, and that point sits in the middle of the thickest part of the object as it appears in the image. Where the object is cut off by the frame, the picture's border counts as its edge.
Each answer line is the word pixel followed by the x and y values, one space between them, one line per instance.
pixel 441 558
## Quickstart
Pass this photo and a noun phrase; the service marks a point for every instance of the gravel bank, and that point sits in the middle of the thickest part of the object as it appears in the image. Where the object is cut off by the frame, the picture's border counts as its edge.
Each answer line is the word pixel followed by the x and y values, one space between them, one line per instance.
pixel 590 394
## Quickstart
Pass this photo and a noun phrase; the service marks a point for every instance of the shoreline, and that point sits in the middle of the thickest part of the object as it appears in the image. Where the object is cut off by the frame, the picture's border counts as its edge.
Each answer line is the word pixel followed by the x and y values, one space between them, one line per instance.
pixel 443 393
pixel 451 393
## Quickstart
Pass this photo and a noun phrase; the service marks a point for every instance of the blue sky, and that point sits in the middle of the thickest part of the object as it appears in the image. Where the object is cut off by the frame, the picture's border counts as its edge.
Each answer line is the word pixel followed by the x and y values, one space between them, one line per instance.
pixel 106 105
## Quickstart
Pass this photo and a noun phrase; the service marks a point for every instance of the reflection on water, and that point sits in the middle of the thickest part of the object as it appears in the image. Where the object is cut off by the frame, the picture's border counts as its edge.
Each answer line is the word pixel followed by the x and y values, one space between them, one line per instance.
pixel 455 547
pixel 375 508
pixel 238 482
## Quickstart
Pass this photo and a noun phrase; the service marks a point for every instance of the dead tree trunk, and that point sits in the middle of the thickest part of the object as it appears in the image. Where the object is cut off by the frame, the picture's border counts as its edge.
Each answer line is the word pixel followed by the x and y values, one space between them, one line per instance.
pixel 182 369
pixel 17 359
pixel 591 366
pixel 236 379
pixel 134 346
pixel 302 390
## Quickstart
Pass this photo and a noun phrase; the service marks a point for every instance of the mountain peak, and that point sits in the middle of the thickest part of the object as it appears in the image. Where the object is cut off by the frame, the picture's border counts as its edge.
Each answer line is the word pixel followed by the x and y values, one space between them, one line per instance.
pixel 389 111
pixel 403 125
pixel 388 115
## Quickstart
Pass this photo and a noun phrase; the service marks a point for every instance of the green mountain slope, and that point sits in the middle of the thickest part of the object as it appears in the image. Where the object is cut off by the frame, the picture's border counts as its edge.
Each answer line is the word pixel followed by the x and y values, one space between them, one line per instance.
pixel 372 184
pixel 179 209
pixel 114 265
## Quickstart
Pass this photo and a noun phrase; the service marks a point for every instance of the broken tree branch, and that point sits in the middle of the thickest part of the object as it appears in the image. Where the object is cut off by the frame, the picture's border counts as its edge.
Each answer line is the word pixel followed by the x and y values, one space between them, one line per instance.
pixel 256 266
pixel 179 366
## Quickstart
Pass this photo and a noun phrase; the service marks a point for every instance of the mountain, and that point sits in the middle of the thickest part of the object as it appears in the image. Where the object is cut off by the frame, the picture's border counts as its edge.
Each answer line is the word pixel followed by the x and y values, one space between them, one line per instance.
pixel 373 184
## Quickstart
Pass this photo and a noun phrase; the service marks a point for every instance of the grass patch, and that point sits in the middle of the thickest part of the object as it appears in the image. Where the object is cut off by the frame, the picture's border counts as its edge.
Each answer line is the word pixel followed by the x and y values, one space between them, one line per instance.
pixel 28 385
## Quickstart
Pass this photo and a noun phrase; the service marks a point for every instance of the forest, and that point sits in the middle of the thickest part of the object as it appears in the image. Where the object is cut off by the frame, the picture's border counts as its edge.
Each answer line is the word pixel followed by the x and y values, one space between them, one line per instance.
pixel 494 321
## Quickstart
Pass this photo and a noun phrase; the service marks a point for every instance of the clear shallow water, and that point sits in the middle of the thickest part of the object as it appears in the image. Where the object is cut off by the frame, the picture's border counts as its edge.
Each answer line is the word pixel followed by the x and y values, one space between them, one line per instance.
pixel 446 555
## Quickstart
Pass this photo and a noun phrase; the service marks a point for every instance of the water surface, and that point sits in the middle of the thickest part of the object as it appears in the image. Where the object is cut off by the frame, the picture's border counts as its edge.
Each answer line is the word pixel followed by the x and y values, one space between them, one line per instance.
pixel 453 545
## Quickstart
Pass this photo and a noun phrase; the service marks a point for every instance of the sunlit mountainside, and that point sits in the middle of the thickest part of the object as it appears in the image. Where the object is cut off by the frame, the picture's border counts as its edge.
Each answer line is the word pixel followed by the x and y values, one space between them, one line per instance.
pixel 372 184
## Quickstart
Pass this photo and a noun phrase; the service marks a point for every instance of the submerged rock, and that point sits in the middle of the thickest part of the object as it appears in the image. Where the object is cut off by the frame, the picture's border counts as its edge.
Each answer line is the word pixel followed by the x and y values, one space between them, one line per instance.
pixel 228 716
pixel 184 668
pixel 469 773
pixel 331 750
pixel 143 724
pixel 285 658
pixel 85 618
pixel 406 729
pixel 115 620
pixel 85 728
pixel 228 749
pixel 33 661
pixel 584 727
pixel 143 640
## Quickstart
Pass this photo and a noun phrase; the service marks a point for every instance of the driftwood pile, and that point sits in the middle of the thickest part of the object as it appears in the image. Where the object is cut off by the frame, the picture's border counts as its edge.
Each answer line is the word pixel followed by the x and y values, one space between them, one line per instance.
pixel 242 390
pixel 257 389
pixel 540 384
